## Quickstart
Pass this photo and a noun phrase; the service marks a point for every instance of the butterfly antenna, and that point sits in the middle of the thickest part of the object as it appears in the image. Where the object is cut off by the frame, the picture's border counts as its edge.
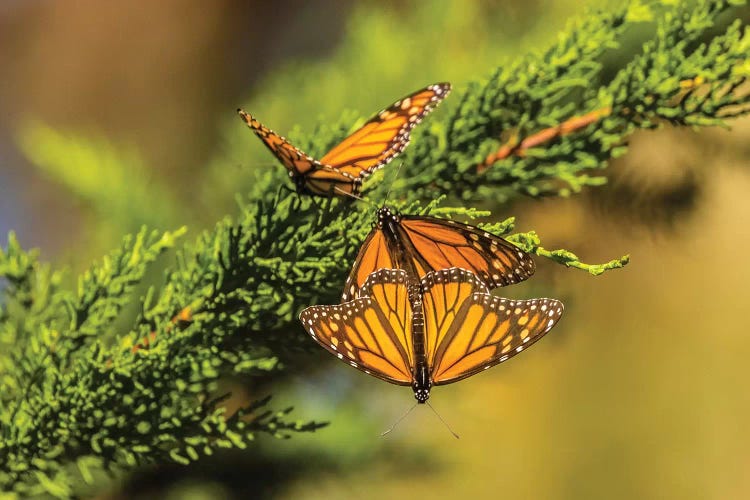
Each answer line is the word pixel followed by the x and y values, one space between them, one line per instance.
pixel 352 195
pixel 399 420
pixel 443 421
pixel 393 181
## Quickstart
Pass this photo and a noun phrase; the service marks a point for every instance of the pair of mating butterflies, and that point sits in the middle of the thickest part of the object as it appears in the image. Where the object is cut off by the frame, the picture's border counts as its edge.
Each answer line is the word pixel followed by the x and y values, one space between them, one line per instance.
pixel 416 306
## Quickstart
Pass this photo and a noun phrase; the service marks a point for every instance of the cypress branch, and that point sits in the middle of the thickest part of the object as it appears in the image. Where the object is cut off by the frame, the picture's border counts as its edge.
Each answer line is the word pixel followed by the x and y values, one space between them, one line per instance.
pixel 693 71
pixel 83 393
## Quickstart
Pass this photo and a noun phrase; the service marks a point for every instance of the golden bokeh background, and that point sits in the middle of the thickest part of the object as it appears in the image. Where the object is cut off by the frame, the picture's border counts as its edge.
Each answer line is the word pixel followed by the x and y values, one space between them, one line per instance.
pixel 639 392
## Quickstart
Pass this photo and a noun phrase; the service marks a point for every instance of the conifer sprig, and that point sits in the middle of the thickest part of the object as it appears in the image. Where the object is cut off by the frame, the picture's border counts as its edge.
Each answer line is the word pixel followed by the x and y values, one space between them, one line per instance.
pixel 81 391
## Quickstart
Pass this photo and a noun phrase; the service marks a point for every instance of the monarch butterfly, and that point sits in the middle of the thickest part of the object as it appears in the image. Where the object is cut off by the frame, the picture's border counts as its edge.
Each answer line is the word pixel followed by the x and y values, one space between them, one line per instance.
pixel 421 244
pixel 452 328
pixel 377 142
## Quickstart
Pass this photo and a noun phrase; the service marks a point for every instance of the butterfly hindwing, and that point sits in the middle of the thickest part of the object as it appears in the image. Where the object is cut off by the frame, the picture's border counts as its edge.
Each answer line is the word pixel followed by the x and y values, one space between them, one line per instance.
pixel 325 181
pixel 471 332
pixel 389 289
pixel 443 294
pixel 371 333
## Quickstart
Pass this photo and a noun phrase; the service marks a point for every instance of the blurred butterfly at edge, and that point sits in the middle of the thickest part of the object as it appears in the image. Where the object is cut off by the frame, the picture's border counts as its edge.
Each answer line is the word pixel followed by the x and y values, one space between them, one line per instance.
pixel 377 142
pixel 452 329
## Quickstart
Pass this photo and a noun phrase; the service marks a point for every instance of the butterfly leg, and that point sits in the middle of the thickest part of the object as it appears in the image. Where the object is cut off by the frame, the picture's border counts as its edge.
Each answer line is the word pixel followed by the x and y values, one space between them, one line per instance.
pixel 287 189
pixel 313 202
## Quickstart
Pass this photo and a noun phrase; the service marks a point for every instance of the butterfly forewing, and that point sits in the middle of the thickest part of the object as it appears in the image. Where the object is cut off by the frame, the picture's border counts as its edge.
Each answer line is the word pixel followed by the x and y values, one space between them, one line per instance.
pixel 372 333
pixel 475 331
pixel 373 255
pixel 440 244
pixel 385 135
pixel 433 244
pixel 297 162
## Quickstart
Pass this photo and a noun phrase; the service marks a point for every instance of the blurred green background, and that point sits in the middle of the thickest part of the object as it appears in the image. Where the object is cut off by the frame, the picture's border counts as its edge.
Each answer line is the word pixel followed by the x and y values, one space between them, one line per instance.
pixel 121 114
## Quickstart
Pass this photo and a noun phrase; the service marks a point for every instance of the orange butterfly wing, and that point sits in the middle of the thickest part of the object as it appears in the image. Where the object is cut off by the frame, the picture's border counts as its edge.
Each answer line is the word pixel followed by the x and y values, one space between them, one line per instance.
pixel 433 244
pixel 295 161
pixel 374 254
pixel 319 179
pixel 371 333
pixel 385 135
pixel 468 330
pixel 440 244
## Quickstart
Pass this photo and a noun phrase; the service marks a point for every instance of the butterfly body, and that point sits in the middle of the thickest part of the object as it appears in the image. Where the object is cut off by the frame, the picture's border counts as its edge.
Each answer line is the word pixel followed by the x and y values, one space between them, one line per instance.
pixel 422 383
pixel 340 172
pixel 449 329
pixel 388 222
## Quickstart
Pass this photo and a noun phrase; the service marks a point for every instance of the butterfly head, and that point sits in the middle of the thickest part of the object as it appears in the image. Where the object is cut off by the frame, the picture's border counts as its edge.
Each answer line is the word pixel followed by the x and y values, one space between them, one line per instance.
pixel 422 385
pixel 421 395
pixel 386 217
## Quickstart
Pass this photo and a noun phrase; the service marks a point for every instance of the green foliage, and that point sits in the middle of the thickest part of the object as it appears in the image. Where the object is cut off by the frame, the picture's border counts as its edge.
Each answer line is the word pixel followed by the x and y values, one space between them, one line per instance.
pixel 69 397
pixel 530 242
pixel 691 72
pixel 81 394
pixel 30 298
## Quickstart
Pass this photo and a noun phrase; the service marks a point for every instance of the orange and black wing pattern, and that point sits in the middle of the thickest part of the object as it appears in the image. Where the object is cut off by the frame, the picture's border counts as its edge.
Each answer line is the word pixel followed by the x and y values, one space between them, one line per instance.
pixel 433 244
pixel 295 161
pixel 467 330
pixel 377 142
pixel 372 333
pixel 308 174
pixel 385 135
pixel 436 244
pixel 374 254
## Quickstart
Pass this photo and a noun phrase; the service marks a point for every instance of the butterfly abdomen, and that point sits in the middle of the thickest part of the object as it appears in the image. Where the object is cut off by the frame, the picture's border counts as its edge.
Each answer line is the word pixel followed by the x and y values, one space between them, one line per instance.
pixel 388 222
pixel 422 383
